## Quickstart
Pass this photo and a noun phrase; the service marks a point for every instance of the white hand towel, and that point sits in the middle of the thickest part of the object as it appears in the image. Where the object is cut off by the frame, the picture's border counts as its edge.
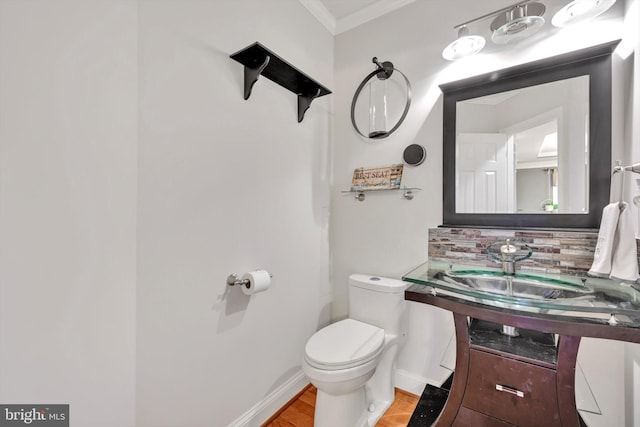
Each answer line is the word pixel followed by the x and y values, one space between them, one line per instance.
pixel 604 248
pixel 624 264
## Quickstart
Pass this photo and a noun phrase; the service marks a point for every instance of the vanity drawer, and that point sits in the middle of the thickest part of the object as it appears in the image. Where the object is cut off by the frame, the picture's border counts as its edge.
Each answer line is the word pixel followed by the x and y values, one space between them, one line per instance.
pixel 513 391
pixel 467 417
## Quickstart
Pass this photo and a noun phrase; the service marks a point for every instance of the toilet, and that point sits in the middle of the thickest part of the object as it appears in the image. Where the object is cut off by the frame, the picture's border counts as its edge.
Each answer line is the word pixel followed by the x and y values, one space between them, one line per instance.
pixel 352 362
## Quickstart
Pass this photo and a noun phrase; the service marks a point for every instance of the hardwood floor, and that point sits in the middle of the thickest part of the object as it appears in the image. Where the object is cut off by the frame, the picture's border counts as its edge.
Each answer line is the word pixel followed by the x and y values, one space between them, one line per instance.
pixel 299 411
pixel 400 411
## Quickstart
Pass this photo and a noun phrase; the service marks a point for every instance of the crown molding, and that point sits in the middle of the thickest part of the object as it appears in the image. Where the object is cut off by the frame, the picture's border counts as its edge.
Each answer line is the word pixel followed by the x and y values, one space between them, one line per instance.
pixel 321 13
pixel 369 13
pixel 326 18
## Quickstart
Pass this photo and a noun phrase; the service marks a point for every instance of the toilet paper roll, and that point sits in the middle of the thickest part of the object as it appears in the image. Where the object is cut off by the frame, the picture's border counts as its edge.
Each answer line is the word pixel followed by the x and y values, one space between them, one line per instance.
pixel 259 281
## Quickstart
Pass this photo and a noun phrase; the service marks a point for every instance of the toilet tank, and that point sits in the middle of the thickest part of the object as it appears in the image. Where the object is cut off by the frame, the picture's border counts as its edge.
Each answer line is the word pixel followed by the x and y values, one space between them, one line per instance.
pixel 378 301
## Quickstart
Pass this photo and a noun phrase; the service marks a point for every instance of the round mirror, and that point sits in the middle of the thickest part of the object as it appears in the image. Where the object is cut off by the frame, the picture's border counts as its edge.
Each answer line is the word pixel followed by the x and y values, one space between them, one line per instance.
pixel 414 154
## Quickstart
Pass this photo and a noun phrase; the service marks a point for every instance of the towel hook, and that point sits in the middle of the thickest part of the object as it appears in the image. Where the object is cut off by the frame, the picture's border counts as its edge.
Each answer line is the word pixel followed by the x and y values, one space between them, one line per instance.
pixel 618 168
pixel 635 168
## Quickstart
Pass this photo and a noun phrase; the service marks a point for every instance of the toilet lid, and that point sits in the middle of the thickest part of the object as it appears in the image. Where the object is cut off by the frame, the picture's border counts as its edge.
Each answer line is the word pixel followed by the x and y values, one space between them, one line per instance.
pixel 344 344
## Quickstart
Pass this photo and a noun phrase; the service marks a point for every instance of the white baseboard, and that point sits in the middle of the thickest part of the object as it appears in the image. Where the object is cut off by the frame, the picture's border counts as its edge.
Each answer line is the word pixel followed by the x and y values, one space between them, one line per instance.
pixel 263 410
pixel 415 384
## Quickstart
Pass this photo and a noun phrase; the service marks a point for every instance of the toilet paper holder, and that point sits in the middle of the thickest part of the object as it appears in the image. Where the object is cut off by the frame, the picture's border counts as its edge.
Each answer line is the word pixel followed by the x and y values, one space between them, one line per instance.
pixel 235 280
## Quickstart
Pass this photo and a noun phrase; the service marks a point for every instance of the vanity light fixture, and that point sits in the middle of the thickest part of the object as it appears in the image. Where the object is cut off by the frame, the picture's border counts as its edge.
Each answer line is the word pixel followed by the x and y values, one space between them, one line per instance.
pixel 465 45
pixel 517 23
pixel 580 11
pixel 510 23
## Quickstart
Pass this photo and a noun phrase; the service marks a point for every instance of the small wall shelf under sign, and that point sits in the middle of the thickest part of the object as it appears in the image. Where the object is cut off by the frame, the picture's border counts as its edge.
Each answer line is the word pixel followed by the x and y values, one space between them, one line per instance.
pixel 360 196
pixel 257 60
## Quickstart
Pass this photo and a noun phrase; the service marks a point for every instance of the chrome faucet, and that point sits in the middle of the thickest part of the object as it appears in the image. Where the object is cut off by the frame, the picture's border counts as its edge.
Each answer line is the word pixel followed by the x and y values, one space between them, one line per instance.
pixel 509 253
pixel 508 260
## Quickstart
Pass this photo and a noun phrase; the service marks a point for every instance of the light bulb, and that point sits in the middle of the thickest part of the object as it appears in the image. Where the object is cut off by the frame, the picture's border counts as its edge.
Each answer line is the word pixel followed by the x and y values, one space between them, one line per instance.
pixel 465 45
pixel 580 11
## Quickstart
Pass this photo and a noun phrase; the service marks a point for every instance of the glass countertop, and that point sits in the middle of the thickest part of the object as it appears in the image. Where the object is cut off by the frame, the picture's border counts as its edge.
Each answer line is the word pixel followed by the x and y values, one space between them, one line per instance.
pixel 534 292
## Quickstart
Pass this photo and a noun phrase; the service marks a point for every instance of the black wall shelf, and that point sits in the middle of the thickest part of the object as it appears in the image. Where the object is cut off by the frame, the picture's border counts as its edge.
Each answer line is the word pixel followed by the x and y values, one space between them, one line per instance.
pixel 257 60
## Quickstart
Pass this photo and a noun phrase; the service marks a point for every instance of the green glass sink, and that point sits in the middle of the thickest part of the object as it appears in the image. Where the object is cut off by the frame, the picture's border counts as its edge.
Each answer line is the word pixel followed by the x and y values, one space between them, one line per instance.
pixel 520 286
pixel 540 292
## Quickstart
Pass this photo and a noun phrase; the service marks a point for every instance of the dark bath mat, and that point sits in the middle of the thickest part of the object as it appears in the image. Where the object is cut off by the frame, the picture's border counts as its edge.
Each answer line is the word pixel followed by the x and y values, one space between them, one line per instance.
pixel 429 406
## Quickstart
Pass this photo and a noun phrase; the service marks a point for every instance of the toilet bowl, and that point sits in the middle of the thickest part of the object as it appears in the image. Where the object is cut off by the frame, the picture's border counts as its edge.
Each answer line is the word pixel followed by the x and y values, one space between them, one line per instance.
pixel 339 360
pixel 351 362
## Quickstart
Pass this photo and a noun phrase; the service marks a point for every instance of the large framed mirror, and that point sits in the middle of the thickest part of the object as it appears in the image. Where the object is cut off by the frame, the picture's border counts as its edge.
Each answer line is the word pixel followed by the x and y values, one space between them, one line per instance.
pixel 530 145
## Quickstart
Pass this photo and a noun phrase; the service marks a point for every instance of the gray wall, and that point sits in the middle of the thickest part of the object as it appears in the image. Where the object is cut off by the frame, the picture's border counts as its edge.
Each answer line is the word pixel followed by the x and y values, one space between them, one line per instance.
pixel 134 178
pixel 68 165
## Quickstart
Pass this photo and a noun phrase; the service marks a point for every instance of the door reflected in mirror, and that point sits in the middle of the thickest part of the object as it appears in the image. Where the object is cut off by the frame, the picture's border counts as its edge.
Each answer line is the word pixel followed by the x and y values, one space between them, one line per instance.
pixel 525 150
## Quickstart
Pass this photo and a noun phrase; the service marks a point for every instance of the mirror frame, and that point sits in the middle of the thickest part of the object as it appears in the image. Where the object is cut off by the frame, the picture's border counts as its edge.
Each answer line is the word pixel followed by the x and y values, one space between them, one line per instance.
pixel 593 61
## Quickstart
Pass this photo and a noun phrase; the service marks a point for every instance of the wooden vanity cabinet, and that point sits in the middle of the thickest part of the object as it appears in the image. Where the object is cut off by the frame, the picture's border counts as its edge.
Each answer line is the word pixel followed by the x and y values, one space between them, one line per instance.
pixel 534 373
pixel 512 379
pixel 468 417
pixel 517 392
pixel 524 381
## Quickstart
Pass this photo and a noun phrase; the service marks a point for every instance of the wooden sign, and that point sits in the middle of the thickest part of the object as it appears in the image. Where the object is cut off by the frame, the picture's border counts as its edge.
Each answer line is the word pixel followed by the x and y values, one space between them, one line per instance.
pixel 385 178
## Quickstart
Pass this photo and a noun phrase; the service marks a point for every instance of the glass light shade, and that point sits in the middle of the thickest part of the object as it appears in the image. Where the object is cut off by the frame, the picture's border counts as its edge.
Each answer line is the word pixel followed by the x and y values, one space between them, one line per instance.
pixel 580 11
pixel 517 29
pixel 462 47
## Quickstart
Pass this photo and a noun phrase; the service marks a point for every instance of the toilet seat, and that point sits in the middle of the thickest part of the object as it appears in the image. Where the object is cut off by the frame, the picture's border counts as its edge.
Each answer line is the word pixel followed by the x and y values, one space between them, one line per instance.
pixel 343 345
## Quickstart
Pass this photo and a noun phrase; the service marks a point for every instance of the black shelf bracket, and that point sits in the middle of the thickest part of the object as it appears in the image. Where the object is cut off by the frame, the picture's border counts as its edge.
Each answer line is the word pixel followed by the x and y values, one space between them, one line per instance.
pixel 304 102
pixel 251 76
pixel 258 60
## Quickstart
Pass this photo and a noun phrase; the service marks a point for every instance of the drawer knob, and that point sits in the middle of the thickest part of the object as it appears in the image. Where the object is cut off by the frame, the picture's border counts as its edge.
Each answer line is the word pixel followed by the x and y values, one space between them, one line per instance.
pixel 510 390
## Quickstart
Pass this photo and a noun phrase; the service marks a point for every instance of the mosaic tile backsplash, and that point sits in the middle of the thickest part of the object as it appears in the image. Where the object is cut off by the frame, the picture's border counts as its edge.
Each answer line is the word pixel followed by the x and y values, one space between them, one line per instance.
pixel 553 251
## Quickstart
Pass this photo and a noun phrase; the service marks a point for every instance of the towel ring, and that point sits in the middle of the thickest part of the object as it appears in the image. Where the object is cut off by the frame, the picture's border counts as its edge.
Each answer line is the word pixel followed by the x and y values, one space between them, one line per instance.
pixel 383 71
